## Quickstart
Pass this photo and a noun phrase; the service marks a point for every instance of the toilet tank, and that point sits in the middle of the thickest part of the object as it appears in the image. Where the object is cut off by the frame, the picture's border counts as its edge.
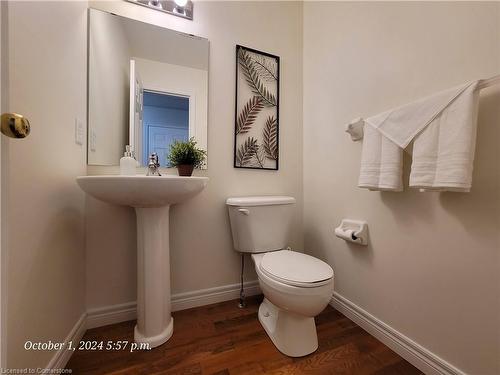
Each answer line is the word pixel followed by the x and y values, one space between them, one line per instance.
pixel 260 223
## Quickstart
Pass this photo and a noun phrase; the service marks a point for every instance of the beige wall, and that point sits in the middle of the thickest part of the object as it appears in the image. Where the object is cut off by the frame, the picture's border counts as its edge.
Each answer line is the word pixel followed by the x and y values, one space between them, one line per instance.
pixel 202 255
pixel 431 270
pixel 45 230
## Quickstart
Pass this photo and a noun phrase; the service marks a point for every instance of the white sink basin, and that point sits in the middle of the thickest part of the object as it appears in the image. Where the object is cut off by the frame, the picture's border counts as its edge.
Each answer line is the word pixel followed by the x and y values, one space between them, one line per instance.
pixel 142 191
pixel 151 196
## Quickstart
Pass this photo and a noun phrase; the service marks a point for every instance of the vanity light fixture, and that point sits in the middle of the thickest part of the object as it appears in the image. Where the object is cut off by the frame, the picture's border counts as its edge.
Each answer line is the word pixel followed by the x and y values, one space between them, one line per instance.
pixel 179 8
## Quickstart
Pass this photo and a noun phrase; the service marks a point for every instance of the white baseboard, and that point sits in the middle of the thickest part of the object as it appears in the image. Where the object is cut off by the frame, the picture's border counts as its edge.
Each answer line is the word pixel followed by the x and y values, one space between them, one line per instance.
pixel 414 353
pixel 103 316
pixel 183 301
pixel 420 357
pixel 62 356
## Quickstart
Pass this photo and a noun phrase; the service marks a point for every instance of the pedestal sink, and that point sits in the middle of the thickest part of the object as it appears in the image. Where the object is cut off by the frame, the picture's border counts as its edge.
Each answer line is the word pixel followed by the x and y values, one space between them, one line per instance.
pixel 151 196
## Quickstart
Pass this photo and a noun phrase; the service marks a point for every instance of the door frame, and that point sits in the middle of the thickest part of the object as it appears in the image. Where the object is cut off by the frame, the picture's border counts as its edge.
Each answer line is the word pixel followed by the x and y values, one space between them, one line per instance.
pixel 192 105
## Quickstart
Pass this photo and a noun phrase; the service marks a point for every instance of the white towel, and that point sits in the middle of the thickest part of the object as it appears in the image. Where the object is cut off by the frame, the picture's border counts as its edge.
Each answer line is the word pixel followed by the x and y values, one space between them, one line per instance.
pixel 381 162
pixel 443 153
pixel 443 128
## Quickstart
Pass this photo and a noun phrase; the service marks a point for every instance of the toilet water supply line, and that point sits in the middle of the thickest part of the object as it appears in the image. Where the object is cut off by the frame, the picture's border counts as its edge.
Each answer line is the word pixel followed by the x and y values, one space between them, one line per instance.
pixel 242 304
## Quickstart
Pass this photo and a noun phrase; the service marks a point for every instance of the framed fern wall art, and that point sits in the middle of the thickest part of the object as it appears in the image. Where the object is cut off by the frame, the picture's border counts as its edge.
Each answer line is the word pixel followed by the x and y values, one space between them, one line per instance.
pixel 256 136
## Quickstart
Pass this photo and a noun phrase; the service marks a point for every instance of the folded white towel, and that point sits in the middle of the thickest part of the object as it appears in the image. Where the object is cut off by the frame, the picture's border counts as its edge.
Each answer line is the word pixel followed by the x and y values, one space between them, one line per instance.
pixel 381 162
pixel 443 127
pixel 443 153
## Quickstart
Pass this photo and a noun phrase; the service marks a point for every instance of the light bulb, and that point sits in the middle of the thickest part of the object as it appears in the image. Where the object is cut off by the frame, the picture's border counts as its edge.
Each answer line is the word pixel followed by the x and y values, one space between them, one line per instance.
pixel 181 3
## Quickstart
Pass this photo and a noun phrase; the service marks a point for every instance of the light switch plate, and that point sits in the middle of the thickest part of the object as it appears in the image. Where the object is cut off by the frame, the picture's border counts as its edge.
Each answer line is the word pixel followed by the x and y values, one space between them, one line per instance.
pixel 92 140
pixel 79 132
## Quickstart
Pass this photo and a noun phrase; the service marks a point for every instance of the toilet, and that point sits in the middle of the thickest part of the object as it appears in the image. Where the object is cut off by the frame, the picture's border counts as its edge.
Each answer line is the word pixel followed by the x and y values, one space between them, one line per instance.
pixel 296 286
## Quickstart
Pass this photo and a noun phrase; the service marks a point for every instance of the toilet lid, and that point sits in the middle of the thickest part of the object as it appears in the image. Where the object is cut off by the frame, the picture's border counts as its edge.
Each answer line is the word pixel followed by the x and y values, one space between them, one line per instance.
pixel 295 268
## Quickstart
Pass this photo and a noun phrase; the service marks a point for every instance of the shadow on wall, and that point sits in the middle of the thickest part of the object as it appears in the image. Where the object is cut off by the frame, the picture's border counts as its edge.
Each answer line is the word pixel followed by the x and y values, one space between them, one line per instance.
pixel 111 253
pixel 206 234
pixel 363 254
pixel 422 203
pixel 482 199
pixel 318 242
pixel 59 235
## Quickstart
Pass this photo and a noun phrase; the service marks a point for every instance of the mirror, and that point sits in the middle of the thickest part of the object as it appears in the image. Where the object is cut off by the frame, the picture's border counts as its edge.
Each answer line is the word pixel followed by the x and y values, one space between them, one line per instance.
pixel 147 87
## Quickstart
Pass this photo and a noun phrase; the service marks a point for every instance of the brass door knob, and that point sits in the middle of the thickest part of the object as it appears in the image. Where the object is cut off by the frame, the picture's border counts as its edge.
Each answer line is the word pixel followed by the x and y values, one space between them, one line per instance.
pixel 14 125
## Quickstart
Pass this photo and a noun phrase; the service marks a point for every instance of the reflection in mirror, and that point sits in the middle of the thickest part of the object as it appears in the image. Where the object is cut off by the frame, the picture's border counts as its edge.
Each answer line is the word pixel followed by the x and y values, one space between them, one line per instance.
pixel 148 86
pixel 166 119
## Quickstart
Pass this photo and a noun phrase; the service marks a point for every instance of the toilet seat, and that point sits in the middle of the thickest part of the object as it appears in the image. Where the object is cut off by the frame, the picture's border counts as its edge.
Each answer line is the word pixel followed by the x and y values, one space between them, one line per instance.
pixel 296 269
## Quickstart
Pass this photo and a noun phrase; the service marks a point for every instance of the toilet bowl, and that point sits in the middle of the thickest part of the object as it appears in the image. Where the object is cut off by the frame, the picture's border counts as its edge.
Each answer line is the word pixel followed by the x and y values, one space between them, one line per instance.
pixel 289 307
pixel 296 286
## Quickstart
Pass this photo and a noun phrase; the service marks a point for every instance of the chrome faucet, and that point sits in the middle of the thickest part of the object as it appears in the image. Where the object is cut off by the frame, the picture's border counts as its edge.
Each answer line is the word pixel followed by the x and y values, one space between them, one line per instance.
pixel 153 165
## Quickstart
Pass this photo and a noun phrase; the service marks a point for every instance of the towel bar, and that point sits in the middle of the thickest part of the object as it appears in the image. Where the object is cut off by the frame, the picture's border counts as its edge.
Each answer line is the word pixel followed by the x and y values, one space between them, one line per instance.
pixel 355 127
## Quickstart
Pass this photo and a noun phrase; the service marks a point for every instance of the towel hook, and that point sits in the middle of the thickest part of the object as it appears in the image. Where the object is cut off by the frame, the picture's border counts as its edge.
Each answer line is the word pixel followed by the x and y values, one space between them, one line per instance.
pixel 355 129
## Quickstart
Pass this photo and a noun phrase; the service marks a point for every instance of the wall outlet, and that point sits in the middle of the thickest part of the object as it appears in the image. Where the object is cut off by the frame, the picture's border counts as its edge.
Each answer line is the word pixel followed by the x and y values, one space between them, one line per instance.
pixel 79 132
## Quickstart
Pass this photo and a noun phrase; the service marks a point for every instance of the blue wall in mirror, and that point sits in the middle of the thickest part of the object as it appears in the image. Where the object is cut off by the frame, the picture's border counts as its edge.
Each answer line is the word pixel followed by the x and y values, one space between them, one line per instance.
pixel 165 119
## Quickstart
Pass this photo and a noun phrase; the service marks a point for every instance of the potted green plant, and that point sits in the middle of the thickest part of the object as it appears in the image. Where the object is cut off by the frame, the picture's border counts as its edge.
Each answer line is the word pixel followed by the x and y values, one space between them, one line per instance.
pixel 185 156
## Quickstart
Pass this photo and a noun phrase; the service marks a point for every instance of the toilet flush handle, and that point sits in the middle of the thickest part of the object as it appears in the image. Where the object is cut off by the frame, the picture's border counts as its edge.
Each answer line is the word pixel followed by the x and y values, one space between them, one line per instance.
pixel 244 211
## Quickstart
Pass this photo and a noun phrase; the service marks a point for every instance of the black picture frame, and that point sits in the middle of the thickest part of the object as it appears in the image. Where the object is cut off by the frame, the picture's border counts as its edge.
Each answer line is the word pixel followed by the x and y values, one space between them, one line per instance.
pixel 260 73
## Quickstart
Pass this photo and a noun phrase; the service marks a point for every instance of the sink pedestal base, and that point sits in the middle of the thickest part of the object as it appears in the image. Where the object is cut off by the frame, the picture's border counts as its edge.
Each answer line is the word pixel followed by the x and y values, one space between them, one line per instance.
pixel 151 197
pixel 155 324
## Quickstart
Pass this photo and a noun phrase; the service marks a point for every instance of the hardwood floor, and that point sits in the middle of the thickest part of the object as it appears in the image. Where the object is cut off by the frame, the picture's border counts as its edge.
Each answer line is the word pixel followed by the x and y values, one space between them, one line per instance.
pixel 222 339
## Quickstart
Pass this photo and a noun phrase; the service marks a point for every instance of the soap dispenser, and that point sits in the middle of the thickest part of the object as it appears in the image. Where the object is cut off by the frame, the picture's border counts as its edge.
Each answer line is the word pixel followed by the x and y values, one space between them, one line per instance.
pixel 127 163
